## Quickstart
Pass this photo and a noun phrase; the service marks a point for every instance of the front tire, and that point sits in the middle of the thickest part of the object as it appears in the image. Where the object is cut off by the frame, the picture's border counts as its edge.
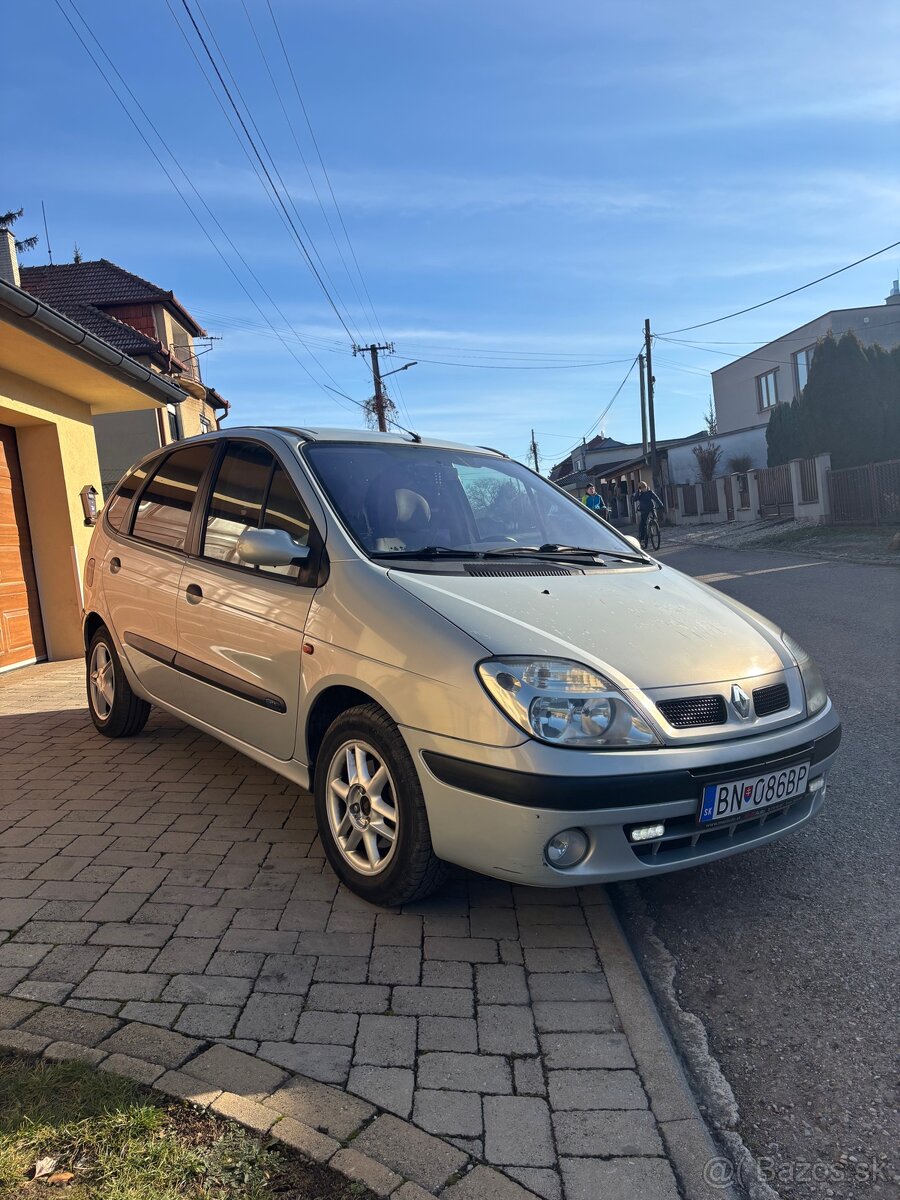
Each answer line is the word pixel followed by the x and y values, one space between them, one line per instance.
pixel 115 710
pixel 371 812
pixel 654 535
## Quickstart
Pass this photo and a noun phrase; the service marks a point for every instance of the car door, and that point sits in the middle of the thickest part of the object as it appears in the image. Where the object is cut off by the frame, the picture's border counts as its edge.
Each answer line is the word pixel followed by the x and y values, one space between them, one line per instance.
pixel 143 561
pixel 240 628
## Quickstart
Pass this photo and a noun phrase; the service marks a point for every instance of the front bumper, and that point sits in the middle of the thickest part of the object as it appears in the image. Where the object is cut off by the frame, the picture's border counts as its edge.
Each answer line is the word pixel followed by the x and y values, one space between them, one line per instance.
pixel 494 809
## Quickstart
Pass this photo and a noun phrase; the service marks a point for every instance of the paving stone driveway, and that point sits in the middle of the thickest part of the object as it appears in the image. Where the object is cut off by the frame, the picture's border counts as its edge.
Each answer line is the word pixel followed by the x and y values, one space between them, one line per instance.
pixel 169 880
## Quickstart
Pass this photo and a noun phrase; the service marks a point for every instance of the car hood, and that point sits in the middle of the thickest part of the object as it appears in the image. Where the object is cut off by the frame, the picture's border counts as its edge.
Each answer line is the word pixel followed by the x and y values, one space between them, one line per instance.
pixel 655 628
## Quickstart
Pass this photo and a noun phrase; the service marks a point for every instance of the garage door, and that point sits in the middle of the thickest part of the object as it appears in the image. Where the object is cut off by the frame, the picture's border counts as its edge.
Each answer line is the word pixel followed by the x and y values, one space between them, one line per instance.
pixel 21 634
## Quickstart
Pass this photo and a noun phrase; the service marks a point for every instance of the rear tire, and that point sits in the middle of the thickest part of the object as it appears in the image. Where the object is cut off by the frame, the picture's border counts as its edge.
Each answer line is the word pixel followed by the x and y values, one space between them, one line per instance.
pixel 371 812
pixel 115 709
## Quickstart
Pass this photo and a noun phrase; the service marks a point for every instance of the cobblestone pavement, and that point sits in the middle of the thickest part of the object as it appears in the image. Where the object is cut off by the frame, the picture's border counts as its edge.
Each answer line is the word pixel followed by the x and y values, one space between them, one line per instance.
pixel 168 880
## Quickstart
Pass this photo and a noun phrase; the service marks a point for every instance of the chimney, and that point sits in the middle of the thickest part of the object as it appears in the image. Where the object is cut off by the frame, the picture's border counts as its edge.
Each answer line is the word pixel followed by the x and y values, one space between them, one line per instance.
pixel 9 260
pixel 894 297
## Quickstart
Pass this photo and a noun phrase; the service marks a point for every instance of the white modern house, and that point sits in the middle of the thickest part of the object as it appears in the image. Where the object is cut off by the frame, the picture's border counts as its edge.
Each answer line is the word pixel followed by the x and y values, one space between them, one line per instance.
pixel 746 390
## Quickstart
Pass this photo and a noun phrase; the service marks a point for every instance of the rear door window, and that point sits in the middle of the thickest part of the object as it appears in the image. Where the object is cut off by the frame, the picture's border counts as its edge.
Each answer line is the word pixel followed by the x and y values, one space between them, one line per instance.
pixel 164 509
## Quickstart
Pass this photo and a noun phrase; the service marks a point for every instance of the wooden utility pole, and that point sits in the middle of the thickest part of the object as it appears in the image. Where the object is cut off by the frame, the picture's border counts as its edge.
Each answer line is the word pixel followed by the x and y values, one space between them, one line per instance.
pixel 648 352
pixel 388 348
pixel 534 453
pixel 642 365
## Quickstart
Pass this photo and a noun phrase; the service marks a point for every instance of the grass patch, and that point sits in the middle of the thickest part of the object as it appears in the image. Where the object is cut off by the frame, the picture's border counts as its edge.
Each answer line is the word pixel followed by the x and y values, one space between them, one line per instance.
pixel 121 1142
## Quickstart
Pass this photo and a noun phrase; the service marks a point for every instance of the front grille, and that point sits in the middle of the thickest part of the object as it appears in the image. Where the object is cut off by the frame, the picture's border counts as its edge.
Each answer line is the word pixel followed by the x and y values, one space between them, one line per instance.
pixel 694 710
pixel 517 570
pixel 771 699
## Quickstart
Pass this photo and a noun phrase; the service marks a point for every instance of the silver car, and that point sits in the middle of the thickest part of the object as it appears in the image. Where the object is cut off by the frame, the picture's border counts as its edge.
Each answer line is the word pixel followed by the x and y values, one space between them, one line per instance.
pixel 463 663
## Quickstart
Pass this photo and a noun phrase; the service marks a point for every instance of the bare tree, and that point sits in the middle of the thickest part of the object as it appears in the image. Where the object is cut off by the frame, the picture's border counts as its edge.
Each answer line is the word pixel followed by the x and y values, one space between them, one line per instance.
pixel 707 460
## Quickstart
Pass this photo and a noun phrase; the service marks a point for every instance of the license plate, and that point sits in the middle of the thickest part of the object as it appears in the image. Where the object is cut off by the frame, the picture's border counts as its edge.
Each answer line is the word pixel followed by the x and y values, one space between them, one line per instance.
pixel 728 801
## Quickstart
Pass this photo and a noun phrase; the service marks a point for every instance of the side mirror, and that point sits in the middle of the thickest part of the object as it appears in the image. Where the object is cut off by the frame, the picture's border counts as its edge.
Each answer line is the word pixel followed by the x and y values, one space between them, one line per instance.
pixel 270 548
pixel 632 541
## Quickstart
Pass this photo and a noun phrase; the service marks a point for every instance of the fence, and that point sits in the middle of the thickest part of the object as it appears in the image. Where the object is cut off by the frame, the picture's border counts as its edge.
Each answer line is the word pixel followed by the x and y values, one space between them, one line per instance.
pixel 776 496
pixel 809 483
pixel 710 496
pixel 868 495
pixel 689 500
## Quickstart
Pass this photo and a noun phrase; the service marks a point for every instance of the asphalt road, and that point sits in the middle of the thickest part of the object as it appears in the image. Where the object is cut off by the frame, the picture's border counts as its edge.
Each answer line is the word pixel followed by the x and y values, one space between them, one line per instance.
pixel 789 954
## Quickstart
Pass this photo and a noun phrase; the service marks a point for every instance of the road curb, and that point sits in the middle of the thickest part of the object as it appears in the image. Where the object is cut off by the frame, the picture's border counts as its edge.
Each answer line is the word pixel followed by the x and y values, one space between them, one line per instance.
pixel 687 1138
pixel 415 1165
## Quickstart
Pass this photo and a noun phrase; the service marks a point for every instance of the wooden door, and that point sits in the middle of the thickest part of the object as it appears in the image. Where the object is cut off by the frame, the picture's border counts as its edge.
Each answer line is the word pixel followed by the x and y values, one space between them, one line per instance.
pixel 21 632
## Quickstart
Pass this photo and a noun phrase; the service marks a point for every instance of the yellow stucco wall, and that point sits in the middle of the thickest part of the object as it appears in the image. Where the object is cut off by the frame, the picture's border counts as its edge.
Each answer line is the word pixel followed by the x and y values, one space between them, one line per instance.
pixel 58 455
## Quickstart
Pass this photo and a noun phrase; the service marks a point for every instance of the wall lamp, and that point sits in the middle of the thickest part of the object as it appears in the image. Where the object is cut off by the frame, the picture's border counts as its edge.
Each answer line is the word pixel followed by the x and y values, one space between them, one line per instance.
pixel 89 504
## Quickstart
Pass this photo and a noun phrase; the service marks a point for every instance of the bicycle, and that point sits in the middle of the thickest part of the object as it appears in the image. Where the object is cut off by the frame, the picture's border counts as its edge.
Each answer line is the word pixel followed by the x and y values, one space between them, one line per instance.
pixel 651 532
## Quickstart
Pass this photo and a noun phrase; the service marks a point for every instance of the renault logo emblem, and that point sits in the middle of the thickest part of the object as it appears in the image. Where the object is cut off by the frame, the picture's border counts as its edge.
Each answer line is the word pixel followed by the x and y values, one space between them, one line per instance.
pixel 740 701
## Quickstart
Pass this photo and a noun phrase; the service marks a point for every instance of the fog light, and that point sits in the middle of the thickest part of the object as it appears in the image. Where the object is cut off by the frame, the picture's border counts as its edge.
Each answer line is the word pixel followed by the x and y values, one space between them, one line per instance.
pixel 567 848
pixel 648 833
pixel 818 784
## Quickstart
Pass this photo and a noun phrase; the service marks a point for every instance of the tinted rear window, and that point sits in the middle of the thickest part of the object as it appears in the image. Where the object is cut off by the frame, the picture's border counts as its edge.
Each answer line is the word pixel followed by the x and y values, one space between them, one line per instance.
pixel 165 506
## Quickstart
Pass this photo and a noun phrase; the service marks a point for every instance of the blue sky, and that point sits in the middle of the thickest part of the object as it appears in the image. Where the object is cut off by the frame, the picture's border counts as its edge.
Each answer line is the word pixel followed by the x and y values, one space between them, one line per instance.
pixel 523 184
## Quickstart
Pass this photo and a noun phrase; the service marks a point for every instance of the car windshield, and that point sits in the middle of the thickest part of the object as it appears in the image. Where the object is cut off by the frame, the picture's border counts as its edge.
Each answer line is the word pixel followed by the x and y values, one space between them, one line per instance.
pixel 399 499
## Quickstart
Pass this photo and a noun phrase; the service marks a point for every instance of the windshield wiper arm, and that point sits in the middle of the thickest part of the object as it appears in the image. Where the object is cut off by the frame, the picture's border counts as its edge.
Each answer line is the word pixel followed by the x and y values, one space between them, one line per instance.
pixel 429 552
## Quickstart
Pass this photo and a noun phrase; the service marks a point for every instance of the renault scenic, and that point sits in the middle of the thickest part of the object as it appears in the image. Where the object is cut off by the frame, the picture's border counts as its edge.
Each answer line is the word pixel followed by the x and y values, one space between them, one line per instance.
pixel 462 663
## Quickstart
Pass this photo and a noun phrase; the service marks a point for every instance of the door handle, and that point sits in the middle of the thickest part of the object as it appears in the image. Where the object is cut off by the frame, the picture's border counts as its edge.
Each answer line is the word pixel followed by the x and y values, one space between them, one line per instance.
pixel 194 593
pixel 115 566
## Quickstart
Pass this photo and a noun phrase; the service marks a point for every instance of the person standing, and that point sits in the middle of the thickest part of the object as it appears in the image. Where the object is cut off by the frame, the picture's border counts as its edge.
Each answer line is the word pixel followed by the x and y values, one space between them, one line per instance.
pixel 646 500
pixel 595 502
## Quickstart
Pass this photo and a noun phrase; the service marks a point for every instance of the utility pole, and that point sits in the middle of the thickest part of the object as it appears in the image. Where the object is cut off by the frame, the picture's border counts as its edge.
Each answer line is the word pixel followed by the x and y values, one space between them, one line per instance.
pixel 373 350
pixel 648 351
pixel 642 367
pixel 534 453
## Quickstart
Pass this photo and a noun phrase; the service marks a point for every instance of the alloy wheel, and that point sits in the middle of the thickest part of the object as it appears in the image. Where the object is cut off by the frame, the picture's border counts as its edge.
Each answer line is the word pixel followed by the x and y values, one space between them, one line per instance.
pixel 362 807
pixel 102 680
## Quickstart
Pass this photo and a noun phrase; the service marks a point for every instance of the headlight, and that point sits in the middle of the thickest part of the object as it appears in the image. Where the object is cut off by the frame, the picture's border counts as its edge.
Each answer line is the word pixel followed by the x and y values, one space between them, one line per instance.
pixel 813 684
pixel 564 703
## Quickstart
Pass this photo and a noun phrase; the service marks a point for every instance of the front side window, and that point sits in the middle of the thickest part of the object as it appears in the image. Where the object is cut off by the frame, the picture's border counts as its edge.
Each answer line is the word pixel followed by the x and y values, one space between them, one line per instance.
pixel 164 510
pixel 237 499
pixel 767 390
pixel 398 499
pixel 252 491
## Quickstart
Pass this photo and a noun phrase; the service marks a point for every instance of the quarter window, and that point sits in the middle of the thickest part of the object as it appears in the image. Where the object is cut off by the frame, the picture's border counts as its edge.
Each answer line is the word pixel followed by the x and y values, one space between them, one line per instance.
pixel 118 504
pixel 767 390
pixel 165 505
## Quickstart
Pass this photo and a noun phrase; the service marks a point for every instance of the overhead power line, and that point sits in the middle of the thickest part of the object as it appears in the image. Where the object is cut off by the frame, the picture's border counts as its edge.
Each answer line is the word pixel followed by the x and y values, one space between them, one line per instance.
pixel 301 243
pixel 184 198
pixel 606 410
pixel 783 295
pixel 315 142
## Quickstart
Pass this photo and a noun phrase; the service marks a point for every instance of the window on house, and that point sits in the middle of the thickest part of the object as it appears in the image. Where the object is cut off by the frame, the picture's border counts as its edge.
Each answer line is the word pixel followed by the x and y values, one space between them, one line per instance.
pixel 802 362
pixel 205 425
pixel 164 510
pixel 767 390
pixel 173 418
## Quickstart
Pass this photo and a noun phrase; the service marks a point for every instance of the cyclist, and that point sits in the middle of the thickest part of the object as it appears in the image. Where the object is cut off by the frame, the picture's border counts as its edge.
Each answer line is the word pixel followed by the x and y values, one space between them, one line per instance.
pixel 595 502
pixel 645 501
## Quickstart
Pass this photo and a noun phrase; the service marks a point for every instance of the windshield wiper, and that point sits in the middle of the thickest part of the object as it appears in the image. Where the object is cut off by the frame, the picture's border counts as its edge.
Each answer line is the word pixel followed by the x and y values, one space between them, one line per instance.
pixel 549 548
pixel 429 552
